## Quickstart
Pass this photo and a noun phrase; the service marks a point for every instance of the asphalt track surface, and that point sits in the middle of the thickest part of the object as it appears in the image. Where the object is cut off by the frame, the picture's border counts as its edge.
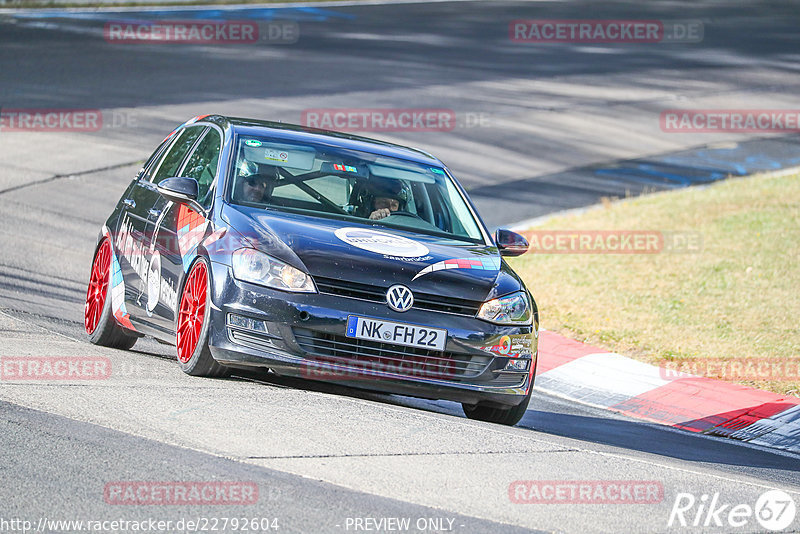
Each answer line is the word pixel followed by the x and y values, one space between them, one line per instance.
pixel 535 122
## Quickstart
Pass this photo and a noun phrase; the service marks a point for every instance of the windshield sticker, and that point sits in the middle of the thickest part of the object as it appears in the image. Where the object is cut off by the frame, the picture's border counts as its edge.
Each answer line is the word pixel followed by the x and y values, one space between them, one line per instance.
pixel 347 168
pixel 437 171
pixel 276 155
pixel 381 242
pixel 253 142
pixel 485 264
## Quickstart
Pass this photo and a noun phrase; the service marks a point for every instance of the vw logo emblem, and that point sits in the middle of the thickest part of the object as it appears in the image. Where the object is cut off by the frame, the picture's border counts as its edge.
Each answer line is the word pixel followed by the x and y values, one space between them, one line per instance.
pixel 399 298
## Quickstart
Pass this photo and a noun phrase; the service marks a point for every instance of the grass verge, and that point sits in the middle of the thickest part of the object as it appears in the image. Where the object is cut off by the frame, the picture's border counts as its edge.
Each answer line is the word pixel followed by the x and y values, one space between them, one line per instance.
pixel 735 299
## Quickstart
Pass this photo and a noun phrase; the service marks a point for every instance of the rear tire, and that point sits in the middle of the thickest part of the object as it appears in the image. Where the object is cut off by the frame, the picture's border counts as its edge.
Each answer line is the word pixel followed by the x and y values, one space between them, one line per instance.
pixel 501 416
pixel 98 318
pixel 192 324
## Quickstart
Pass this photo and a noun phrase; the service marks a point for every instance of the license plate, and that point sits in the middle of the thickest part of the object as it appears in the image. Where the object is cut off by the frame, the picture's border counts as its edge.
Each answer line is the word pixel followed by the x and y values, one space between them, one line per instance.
pixel 410 335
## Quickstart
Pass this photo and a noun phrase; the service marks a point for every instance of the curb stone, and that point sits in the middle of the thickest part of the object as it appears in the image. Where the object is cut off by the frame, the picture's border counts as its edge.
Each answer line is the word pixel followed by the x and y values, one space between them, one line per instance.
pixel 587 374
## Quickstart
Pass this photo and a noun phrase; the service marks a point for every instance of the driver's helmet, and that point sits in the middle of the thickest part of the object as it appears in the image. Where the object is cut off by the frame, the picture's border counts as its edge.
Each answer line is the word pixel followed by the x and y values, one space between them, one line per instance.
pixel 385 188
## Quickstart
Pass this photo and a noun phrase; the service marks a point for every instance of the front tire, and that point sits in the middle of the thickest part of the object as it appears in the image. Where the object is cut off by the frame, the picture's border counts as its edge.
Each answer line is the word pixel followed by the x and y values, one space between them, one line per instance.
pixel 98 318
pixel 501 416
pixel 194 316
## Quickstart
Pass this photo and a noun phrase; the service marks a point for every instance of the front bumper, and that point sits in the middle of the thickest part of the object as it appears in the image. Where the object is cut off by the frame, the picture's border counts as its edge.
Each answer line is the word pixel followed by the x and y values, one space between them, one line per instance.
pixel 302 335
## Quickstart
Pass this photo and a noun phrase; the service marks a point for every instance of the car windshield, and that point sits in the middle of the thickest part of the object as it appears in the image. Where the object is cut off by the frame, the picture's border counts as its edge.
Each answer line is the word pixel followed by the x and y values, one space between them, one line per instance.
pixel 347 184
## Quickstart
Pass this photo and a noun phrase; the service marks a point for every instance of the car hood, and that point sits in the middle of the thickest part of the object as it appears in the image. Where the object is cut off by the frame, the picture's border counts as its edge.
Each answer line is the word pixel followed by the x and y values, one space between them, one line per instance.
pixel 376 255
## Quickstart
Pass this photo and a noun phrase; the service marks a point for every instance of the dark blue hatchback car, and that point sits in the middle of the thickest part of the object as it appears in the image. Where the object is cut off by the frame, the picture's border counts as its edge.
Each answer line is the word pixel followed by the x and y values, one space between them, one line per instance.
pixel 320 255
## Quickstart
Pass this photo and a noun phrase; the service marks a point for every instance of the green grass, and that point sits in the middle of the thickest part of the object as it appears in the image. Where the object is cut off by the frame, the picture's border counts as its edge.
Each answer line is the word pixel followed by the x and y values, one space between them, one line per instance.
pixel 736 298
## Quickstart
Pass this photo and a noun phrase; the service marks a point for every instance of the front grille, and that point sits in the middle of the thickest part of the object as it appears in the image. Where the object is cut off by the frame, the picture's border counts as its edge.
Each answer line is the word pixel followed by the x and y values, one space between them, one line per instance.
pixel 422 301
pixel 385 357
pixel 254 341
pixel 509 379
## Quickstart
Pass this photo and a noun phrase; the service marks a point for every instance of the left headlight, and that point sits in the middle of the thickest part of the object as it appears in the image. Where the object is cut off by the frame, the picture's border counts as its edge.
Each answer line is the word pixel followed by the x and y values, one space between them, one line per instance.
pixel 511 309
pixel 250 265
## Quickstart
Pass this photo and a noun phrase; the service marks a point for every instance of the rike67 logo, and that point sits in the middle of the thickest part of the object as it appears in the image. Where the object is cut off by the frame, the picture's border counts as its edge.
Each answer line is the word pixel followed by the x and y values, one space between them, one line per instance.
pixel 774 511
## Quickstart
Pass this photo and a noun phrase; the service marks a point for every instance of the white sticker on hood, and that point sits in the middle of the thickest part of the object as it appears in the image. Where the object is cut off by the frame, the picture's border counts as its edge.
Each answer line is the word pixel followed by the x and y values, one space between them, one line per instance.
pixel 381 242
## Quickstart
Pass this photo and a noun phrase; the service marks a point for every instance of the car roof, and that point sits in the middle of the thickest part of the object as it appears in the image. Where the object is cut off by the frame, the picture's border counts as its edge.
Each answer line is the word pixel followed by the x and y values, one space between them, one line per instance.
pixel 295 132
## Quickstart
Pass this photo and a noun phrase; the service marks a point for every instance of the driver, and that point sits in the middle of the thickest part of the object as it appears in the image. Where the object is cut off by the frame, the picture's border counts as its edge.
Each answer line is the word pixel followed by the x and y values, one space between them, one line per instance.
pixel 383 207
pixel 257 184
pixel 386 197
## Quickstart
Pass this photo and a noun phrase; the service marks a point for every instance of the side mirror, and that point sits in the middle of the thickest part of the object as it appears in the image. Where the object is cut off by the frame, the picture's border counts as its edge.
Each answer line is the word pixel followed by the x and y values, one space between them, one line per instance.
pixel 181 190
pixel 510 243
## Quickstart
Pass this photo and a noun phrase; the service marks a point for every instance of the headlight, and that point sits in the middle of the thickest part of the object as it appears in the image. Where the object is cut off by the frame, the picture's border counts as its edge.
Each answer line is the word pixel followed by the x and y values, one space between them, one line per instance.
pixel 511 309
pixel 250 265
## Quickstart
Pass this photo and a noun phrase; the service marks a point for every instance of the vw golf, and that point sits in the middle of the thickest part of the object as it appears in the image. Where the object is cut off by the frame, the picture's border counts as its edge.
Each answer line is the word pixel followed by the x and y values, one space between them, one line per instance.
pixel 319 255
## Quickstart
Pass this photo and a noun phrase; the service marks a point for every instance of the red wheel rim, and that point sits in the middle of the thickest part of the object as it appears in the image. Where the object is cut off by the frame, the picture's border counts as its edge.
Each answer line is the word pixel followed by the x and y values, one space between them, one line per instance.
pixel 192 311
pixel 98 287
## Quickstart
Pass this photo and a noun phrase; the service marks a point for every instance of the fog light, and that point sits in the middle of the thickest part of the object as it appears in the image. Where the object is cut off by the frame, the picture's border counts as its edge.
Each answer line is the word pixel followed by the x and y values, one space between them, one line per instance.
pixel 247 323
pixel 517 365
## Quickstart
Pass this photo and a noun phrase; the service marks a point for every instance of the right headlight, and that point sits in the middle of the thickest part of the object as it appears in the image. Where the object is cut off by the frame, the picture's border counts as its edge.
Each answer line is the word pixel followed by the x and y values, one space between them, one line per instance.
pixel 253 266
pixel 513 309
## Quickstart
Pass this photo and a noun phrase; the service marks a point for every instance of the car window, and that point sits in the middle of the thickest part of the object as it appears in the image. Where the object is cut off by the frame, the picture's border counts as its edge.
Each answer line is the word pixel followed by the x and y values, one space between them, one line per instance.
pixel 202 164
pixel 350 185
pixel 333 187
pixel 152 162
pixel 172 160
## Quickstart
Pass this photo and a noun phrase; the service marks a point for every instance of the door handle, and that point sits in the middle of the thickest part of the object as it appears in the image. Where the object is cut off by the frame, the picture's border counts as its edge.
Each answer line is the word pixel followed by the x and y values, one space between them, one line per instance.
pixel 154 213
pixel 129 203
